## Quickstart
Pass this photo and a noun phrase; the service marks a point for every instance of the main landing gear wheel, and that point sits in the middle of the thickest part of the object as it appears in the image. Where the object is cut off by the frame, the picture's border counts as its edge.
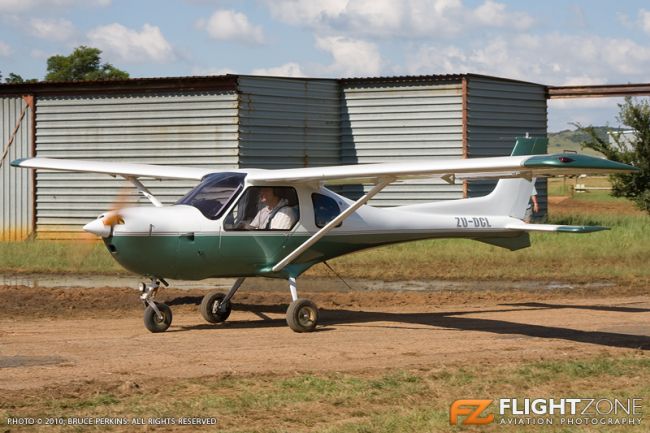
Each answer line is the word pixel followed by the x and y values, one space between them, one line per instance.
pixel 302 315
pixel 213 309
pixel 155 322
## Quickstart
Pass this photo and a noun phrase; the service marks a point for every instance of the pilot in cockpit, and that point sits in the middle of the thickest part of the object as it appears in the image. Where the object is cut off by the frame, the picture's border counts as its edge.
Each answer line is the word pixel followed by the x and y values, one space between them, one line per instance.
pixel 275 214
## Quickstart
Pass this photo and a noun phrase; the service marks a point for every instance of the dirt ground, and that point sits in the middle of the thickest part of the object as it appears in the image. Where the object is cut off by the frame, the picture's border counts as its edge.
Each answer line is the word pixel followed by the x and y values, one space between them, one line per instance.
pixel 60 336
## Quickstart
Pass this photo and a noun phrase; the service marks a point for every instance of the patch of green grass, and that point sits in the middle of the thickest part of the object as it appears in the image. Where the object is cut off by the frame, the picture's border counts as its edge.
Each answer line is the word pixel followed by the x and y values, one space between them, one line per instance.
pixel 620 253
pixel 57 256
pixel 543 371
pixel 395 402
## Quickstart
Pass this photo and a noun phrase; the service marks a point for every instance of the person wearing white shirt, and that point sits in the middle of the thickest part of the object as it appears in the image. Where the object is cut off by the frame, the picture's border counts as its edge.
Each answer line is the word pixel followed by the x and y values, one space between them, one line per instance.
pixel 276 214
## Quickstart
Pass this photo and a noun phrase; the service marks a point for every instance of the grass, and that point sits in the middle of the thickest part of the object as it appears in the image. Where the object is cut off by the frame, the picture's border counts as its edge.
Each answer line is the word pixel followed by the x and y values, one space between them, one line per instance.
pixel 393 402
pixel 621 253
pixel 37 256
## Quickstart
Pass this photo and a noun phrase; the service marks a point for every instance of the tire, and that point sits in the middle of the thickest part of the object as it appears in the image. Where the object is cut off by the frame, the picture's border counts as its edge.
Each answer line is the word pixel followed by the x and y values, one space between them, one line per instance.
pixel 302 315
pixel 151 320
pixel 210 308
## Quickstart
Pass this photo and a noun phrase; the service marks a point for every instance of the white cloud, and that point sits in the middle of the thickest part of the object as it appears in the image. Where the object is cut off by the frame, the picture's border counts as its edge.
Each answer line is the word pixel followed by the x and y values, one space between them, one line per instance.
pixel 549 59
pixel 5 49
pixel 306 12
pixel 352 57
pixel 51 29
pixel 290 69
pixel 644 18
pixel 228 25
pixel 212 71
pixel 15 6
pixel 132 46
pixel 397 19
pixel 493 14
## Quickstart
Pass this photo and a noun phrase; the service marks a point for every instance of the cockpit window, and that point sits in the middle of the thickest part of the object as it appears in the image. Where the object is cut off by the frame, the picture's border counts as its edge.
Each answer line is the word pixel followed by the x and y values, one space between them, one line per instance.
pixel 214 193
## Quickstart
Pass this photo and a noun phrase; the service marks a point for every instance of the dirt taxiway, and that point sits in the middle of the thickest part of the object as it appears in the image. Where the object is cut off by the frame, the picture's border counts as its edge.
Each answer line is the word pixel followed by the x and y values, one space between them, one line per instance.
pixel 53 336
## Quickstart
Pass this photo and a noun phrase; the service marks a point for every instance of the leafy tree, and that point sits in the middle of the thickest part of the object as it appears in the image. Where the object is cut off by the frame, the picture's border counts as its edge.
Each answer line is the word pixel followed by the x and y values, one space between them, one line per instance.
pixel 14 79
pixel 84 64
pixel 635 150
pixel 17 79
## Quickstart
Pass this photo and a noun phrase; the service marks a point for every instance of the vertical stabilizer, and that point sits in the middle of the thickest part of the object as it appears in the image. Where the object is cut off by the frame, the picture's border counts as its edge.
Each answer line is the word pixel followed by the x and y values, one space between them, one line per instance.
pixel 511 196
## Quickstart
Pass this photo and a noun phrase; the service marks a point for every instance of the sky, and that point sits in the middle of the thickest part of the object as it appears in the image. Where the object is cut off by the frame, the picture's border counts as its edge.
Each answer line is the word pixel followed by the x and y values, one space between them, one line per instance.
pixel 548 42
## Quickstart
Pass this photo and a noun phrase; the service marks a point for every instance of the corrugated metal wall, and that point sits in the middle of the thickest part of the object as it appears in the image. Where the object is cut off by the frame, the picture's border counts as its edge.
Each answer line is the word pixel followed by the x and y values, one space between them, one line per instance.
pixel 384 122
pixel 288 122
pixel 176 129
pixel 16 189
pixel 498 111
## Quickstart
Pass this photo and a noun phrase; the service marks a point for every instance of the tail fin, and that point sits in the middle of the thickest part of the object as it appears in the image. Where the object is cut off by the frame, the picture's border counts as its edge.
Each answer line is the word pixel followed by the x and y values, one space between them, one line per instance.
pixel 511 196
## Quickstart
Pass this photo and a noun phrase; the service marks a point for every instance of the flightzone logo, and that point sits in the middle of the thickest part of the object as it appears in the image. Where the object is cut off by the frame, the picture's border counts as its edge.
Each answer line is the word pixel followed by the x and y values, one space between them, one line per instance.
pixel 543 411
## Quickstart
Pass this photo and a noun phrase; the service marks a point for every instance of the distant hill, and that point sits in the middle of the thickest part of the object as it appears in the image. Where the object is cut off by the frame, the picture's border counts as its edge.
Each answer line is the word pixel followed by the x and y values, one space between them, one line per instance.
pixel 572 140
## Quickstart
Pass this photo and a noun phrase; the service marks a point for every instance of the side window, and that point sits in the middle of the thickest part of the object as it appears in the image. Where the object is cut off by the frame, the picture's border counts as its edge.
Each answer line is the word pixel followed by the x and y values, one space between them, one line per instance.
pixel 264 208
pixel 325 209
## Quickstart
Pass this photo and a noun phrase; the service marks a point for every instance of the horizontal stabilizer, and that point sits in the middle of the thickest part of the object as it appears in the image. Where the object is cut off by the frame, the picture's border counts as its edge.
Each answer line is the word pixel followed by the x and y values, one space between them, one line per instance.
pixel 554 228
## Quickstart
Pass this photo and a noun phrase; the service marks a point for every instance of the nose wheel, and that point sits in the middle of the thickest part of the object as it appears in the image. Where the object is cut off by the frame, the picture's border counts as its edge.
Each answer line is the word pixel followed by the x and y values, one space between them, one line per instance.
pixel 157 315
pixel 157 321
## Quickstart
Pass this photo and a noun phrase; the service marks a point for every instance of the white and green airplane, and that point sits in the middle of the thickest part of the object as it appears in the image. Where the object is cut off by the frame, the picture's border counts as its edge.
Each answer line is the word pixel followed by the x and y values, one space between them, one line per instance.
pixel 278 223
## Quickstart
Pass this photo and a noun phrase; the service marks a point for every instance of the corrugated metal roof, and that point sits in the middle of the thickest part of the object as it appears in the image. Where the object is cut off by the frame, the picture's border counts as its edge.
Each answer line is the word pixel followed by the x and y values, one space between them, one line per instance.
pixel 186 84
pixel 429 78
pixel 211 82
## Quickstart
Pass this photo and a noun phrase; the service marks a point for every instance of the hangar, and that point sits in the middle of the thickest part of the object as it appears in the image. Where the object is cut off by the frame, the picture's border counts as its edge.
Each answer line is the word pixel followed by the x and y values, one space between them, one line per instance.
pixel 238 121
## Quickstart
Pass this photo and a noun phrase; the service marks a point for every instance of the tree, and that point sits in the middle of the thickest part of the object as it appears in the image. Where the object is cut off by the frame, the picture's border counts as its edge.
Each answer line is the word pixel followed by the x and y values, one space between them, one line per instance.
pixel 635 150
pixel 84 64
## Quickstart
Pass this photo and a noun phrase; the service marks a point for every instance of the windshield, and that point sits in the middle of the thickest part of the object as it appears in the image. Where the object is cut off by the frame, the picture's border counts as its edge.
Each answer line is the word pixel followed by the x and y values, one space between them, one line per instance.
pixel 214 193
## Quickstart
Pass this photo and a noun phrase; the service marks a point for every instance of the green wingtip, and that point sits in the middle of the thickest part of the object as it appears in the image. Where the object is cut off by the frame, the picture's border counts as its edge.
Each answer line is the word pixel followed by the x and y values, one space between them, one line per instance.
pixel 17 162
pixel 581 229
pixel 572 160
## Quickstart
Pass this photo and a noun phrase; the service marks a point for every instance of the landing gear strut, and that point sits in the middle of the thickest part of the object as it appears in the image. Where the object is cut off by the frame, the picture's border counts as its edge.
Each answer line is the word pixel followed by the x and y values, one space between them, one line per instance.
pixel 157 316
pixel 215 306
pixel 302 314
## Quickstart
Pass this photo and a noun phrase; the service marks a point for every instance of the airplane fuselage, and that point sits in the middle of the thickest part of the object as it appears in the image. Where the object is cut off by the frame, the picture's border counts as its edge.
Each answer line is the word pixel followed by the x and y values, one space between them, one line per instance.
pixel 180 242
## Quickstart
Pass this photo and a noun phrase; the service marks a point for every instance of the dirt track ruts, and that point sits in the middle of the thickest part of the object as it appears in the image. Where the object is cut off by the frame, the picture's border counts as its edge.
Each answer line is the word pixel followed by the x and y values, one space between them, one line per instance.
pixel 102 340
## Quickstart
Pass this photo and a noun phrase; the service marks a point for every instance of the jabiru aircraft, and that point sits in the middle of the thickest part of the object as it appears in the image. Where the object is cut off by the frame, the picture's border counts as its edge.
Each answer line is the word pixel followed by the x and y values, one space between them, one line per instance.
pixel 278 223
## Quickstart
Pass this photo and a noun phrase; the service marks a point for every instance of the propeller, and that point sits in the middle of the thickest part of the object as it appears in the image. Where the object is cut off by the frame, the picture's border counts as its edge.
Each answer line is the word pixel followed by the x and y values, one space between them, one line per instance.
pixel 104 224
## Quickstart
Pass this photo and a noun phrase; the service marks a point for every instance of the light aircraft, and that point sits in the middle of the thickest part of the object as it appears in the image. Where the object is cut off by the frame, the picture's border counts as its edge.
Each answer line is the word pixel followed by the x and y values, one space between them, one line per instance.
pixel 212 230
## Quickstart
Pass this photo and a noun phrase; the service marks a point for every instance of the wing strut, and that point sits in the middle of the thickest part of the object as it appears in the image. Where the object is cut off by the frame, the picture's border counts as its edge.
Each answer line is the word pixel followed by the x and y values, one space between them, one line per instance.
pixel 381 184
pixel 143 190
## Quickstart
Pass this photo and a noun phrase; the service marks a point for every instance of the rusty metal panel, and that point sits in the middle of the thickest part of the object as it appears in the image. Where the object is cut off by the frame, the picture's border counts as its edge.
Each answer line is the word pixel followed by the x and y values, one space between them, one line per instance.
pixel 288 122
pixel 191 129
pixel 402 121
pixel 16 187
pixel 498 112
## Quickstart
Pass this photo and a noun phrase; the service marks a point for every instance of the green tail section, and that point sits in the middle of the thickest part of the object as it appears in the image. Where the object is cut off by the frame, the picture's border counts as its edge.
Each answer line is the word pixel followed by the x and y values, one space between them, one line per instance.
pixel 530 146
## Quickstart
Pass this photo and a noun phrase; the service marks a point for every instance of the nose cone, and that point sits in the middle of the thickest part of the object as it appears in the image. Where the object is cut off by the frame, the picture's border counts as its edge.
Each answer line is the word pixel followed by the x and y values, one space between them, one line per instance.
pixel 97 227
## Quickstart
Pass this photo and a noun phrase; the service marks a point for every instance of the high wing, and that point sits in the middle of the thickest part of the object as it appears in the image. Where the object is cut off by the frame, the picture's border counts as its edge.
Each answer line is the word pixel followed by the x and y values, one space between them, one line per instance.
pixel 473 168
pixel 124 169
